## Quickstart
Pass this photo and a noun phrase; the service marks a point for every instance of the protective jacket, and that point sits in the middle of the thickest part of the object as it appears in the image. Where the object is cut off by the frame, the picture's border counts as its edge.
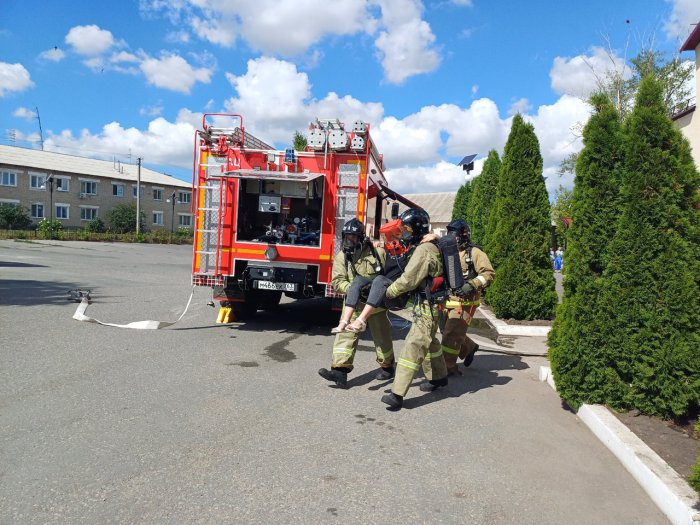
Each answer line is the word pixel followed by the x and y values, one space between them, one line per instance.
pixel 367 263
pixel 421 347
pixel 364 263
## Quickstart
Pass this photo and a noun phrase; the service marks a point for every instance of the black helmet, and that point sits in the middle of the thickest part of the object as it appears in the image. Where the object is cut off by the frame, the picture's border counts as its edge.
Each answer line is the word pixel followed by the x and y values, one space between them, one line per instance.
pixel 416 221
pixel 353 227
pixel 461 230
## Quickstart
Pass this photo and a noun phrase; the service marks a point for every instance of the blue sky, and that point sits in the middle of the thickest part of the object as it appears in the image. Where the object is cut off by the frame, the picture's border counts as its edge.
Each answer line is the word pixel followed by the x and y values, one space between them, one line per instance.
pixel 436 79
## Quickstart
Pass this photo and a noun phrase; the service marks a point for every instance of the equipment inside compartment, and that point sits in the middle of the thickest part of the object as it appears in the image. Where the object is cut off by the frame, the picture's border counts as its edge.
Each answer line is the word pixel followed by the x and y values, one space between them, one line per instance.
pixel 280 211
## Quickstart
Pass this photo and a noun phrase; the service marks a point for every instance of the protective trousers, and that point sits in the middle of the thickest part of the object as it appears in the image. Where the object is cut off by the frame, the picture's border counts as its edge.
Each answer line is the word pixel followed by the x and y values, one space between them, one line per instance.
pixel 345 344
pixel 421 348
pixel 455 342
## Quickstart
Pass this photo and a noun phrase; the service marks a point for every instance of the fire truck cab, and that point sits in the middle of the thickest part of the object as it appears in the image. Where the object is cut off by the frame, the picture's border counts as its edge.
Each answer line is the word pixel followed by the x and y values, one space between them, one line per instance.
pixel 268 222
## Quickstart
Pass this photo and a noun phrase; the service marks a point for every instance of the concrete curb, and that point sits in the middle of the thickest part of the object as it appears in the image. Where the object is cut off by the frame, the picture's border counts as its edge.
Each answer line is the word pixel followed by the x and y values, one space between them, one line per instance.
pixel 504 328
pixel 671 493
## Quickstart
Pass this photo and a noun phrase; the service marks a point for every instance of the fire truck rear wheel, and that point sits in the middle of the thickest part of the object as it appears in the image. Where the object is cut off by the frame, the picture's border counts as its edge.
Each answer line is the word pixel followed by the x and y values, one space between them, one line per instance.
pixel 248 308
pixel 270 300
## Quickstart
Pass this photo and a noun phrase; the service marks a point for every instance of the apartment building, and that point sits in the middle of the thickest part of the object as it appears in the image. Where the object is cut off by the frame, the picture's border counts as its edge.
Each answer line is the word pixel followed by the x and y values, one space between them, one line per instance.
pixel 688 119
pixel 75 190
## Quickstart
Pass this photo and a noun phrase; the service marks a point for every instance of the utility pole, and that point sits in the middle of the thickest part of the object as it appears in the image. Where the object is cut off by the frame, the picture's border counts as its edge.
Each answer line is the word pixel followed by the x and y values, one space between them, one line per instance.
pixel 41 133
pixel 138 197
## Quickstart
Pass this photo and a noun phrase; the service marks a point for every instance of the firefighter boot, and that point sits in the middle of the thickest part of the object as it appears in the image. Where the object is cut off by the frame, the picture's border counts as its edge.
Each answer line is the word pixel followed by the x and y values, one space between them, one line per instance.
pixel 385 373
pixel 468 360
pixel 433 384
pixel 394 401
pixel 337 375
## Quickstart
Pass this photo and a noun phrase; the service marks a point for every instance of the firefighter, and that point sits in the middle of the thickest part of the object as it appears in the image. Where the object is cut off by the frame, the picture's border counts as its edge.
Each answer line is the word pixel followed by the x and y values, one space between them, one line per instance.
pixel 422 346
pixel 359 257
pixel 478 274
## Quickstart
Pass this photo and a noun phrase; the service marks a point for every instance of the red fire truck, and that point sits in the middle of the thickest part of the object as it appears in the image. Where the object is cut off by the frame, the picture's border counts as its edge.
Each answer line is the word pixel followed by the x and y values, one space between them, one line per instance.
pixel 269 221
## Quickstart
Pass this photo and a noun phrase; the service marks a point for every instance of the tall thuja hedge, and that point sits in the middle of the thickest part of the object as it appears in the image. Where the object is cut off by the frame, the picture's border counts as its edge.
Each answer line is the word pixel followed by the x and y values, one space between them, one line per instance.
pixel 578 356
pixel 519 244
pixel 483 197
pixel 649 308
pixel 462 201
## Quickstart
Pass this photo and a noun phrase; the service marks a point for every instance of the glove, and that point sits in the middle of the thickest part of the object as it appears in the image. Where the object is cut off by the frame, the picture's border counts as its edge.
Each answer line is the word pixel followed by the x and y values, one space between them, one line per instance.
pixel 466 289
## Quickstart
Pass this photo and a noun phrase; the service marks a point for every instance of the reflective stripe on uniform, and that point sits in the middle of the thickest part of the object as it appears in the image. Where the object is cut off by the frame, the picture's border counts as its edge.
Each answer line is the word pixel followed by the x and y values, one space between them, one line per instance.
pixel 342 350
pixel 456 304
pixel 408 364
pixel 449 350
pixel 434 355
pixel 482 280
pixel 384 355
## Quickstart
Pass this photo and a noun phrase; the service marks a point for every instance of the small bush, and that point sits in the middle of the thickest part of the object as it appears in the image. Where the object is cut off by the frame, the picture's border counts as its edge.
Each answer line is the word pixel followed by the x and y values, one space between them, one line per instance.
pixel 14 217
pixel 50 229
pixel 96 225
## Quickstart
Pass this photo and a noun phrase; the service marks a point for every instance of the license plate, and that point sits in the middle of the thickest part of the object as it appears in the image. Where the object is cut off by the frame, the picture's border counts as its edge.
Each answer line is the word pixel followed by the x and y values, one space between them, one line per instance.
pixel 285 287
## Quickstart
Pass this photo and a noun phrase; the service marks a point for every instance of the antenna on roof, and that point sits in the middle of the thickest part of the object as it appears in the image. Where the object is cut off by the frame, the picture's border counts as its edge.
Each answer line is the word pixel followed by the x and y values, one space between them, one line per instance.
pixel 41 133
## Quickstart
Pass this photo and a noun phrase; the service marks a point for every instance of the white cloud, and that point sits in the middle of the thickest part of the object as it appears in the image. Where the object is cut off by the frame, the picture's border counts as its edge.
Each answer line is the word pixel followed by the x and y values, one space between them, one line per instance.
pixel 684 14
pixel 174 73
pixel 290 27
pixel 52 55
pixel 24 113
pixel 405 45
pixel 285 27
pixel 14 77
pixel 579 76
pixel 520 106
pixel 163 143
pixel 439 177
pixel 89 40
pixel 275 100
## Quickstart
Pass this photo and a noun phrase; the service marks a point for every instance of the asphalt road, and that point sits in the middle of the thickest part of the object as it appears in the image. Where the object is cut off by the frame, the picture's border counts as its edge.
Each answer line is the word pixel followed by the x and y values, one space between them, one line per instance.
pixel 204 423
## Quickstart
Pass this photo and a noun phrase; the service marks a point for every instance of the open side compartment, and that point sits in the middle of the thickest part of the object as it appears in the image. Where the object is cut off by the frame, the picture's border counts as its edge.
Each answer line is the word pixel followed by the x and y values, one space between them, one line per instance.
pixel 280 211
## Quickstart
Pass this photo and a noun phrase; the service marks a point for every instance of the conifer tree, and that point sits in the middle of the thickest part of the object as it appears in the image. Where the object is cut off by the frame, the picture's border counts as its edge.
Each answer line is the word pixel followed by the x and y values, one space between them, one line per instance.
pixel 577 355
pixel 649 308
pixel 519 244
pixel 462 201
pixel 483 197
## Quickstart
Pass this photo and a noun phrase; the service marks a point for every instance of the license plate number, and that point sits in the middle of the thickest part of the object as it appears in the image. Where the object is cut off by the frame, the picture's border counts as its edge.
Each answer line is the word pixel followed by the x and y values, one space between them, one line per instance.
pixel 285 287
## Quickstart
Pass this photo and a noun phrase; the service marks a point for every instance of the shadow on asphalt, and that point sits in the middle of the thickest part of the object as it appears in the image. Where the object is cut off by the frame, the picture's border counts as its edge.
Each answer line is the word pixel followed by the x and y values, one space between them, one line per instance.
pixel 10 264
pixel 32 293
pixel 482 374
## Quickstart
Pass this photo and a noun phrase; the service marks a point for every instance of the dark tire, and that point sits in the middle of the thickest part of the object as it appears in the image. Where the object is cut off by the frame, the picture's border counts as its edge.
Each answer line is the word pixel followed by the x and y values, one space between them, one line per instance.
pixel 248 308
pixel 270 300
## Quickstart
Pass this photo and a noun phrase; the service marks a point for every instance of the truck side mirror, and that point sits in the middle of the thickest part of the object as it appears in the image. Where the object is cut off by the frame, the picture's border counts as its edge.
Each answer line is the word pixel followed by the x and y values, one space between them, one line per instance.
pixel 395 210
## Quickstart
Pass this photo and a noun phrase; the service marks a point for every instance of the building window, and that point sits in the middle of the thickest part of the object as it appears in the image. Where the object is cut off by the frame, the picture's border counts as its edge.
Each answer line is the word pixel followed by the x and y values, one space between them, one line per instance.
pixel 157 194
pixel 88 187
pixel 38 210
pixel 63 211
pixel 9 202
pixel 8 178
pixel 184 220
pixel 158 218
pixel 184 197
pixel 88 213
pixel 62 183
pixel 37 182
pixel 133 191
pixel 117 189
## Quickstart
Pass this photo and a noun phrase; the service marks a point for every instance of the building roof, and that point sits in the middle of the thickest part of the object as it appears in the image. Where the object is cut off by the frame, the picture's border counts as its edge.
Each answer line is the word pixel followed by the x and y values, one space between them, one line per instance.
pixel 438 205
pixel 61 163
pixel 693 39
